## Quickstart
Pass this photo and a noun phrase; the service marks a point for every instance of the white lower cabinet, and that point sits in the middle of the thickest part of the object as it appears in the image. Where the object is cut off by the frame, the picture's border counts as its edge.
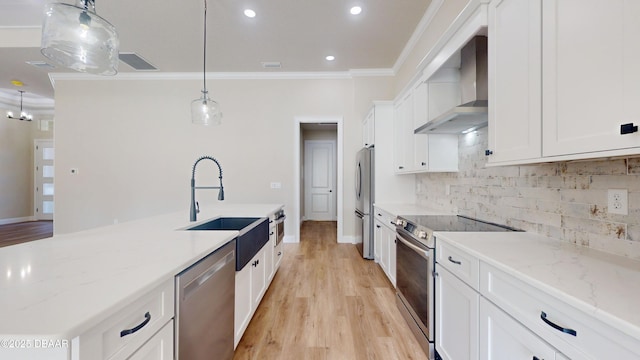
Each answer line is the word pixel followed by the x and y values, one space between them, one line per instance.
pixel 456 336
pixel 483 312
pixel 160 347
pixel 243 302
pixel 503 338
pixel 385 244
pixel 252 283
pixel 377 240
pixel 278 253
pixel 258 276
pixel 125 331
pixel 269 261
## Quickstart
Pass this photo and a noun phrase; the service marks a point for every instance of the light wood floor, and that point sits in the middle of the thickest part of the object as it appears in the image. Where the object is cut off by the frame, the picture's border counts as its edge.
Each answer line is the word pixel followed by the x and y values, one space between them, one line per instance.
pixel 12 234
pixel 326 302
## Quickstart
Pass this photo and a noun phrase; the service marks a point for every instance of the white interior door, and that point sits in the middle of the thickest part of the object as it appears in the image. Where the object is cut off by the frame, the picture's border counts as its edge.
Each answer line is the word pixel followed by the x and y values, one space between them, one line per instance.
pixel 320 180
pixel 43 179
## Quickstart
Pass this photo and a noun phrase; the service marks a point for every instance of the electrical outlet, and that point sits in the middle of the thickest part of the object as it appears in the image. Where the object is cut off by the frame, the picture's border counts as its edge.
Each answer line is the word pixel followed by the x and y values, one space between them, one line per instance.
pixel 276 185
pixel 618 201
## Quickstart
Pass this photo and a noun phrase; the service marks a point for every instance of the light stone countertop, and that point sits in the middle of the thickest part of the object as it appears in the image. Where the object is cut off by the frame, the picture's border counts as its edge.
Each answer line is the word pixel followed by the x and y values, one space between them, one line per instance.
pixel 59 287
pixel 409 209
pixel 602 285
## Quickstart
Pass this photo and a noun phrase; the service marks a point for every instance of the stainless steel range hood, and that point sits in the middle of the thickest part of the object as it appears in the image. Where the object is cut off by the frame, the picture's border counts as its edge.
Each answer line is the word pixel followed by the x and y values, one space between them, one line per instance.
pixel 472 113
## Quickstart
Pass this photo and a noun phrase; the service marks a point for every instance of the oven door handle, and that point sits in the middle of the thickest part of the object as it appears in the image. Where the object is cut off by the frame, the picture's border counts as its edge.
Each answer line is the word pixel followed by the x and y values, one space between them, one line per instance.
pixel 422 252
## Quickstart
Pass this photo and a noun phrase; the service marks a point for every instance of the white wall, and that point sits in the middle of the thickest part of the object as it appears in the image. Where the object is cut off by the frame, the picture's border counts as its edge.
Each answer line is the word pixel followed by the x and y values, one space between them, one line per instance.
pixel 16 166
pixel 134 145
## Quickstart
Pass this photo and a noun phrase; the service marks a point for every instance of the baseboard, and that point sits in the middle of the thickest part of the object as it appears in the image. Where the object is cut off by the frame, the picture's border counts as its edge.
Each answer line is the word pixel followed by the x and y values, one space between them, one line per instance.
pixel 347 240
pixel 16 220
pixel 289 239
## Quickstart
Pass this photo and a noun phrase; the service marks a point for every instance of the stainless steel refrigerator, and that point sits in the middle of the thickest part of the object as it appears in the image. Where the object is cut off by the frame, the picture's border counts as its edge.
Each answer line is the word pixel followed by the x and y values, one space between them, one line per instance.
pixel 364 200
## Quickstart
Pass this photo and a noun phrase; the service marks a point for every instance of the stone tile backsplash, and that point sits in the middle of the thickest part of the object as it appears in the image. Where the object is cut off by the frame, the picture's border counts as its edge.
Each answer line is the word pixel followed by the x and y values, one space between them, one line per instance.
pixel 563 200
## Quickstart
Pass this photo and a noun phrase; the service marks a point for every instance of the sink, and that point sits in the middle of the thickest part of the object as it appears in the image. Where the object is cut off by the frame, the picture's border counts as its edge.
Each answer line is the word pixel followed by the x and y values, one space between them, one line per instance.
pixel 225 223
pixel 253 234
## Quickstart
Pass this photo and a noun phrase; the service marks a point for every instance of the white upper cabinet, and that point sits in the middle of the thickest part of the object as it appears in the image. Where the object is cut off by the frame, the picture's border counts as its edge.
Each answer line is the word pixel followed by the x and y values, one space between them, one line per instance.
pixel 403 139
pixel 415 153
pixel 515 80
pixel 591 77
pixel 368 130
pixel 563 80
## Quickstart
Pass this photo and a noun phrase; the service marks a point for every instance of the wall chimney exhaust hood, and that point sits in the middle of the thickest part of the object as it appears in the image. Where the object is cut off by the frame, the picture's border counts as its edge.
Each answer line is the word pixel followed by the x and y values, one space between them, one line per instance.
pixel 472 113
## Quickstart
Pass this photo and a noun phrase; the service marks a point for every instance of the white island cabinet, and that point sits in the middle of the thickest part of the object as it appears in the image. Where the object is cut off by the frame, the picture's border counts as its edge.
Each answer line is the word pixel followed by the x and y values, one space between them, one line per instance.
pixel 106 293
pixel 253 280
pixel 524 296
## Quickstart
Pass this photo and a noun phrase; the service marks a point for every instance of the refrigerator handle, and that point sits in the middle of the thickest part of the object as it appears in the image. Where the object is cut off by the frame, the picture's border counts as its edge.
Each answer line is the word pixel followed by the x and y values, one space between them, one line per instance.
pixel 358 180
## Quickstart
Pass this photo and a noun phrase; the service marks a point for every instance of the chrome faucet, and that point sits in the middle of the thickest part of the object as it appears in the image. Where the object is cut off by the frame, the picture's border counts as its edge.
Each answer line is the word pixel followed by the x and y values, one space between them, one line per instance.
pixel 195 207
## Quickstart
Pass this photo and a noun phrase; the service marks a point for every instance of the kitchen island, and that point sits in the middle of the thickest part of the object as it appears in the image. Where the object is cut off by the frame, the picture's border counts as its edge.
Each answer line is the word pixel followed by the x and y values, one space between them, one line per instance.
pixel 54 290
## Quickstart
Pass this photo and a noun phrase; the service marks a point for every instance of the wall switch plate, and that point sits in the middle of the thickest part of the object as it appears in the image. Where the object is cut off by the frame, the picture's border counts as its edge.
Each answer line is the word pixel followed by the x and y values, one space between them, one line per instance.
pixel 618 201
pixel 276 185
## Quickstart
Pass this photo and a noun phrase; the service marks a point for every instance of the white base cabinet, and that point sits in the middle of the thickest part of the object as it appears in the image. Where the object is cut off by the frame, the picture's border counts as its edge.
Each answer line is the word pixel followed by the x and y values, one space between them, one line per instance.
pixel 278 253
pixel 105 341
pixel 457 307
pixel 483 309
pixel 385 243
pixel 503 338
pixel 250 288
pixel 160 347
pixel 253 281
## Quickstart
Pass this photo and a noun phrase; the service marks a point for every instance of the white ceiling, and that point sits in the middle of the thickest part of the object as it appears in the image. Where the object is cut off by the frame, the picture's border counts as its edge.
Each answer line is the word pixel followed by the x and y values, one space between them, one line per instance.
pixel 297 33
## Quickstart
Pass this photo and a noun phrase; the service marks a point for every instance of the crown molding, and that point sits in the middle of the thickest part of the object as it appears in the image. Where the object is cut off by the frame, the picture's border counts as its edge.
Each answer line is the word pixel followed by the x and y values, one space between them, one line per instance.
pixel 338 75
pixel 426 20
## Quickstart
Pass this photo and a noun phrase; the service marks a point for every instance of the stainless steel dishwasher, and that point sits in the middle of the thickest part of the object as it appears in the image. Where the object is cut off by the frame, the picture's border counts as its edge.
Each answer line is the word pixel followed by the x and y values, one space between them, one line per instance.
pixel 205 305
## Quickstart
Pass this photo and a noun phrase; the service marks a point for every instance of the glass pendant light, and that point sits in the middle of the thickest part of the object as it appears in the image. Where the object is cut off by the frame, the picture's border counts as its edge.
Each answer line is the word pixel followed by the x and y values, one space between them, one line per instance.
pixel 205 111
pixel 77 38
pixel 23 114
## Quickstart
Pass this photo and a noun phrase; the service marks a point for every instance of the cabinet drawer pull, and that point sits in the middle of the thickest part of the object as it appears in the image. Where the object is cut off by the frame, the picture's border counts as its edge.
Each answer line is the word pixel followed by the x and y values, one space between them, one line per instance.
pixel 271 233
pixel 279 253
pixel 378 226
pixel 628 128
pixel 537 358
pixel 147 317
pixel 423 163
pixel 455 261
pixel 543 316
pixel 488 152
pixel 400 167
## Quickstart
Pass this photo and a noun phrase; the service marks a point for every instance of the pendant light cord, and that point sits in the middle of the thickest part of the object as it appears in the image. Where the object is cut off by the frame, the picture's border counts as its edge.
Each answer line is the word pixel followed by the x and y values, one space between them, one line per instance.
pixel 204 61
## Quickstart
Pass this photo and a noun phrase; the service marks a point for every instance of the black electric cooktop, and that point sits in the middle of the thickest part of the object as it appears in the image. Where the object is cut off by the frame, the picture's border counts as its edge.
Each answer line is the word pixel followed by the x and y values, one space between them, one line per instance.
pixel 452 223
pixel 421 227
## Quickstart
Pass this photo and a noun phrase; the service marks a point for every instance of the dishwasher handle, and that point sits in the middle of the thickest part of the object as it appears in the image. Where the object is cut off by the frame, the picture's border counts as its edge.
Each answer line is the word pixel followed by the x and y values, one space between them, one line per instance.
pixel 194 284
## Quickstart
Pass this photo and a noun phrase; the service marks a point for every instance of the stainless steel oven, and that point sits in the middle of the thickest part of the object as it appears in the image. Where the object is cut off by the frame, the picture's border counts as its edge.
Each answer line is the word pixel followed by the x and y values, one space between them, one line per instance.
pixel 415 264
pixel 279 226
pixel 415 286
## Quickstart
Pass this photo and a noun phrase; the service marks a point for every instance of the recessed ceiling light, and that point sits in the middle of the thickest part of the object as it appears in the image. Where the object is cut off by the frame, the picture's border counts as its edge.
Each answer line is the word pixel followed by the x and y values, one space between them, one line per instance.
pixel 249 13
pixel 355 10
pixel 330 57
